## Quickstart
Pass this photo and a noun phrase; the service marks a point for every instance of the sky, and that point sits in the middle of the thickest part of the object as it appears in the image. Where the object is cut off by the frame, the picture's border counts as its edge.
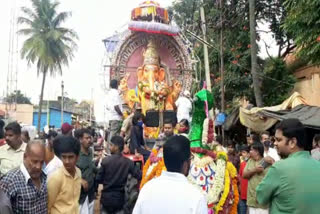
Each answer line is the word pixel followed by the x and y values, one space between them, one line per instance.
pixel 93 20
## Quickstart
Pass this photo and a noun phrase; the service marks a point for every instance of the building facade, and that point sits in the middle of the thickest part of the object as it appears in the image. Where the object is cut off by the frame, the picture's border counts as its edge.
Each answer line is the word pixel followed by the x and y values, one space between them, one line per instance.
pixel 52 117
pixel 308 84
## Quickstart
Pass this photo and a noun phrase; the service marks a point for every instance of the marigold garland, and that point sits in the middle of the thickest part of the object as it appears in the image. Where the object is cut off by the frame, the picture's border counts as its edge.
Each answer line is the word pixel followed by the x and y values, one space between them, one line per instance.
pixel 225 193
pixel 156 171
pixel 222 155
pixel 234 209
pixel 232 170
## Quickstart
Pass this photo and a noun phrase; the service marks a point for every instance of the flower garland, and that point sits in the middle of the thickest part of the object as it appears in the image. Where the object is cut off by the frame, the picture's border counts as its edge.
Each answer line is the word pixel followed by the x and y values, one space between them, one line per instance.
pixel 207 152
pixel 222 155
pixel 214 193
pixel 232 170
pixel 233 173
pixel 228 203
pixel 234 209
pixel 155 172
pixel 225 193
pixel 202 162
pixel 208 133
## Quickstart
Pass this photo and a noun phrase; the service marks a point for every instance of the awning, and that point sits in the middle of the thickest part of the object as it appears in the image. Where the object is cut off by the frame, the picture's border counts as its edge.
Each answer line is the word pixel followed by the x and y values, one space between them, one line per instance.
pixel 256 121
pixel 308 115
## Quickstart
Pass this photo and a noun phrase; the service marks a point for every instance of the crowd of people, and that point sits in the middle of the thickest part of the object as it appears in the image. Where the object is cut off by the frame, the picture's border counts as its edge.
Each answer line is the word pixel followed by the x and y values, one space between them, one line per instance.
pixel 62 173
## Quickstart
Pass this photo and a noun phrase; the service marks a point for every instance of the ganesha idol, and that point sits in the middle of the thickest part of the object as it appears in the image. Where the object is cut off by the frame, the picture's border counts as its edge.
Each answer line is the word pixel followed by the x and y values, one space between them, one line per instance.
pixel 154 89
pixel 153 84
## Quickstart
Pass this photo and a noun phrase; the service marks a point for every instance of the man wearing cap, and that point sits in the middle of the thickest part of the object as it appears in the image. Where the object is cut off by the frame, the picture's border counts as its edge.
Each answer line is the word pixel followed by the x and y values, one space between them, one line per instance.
pixel 66 129
pixel 184 106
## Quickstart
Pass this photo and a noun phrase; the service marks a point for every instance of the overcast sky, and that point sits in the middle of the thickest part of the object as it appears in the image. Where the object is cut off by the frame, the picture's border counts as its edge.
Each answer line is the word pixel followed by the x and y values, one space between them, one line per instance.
pixel 93 20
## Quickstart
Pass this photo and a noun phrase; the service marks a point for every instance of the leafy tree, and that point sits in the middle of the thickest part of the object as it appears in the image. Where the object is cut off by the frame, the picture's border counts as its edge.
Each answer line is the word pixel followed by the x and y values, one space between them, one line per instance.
pixel 18 97
pixel 236 47
pixel 278 82
pixel 303 23
pixel 237 80
pixel 49 45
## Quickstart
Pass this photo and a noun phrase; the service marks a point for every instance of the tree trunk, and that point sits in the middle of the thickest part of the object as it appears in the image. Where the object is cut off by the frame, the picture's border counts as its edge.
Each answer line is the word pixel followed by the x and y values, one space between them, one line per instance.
pixel 254 64
pixel 40 101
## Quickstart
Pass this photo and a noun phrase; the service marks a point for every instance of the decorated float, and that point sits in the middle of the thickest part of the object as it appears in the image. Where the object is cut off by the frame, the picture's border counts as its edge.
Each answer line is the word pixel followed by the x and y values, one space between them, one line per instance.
pixel 154 64
pixel 210 169
pixel 151 60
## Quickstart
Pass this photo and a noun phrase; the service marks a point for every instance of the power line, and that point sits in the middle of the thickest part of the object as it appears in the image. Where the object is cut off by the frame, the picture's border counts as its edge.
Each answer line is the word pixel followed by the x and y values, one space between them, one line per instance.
pixel 258 73
pixel 263 75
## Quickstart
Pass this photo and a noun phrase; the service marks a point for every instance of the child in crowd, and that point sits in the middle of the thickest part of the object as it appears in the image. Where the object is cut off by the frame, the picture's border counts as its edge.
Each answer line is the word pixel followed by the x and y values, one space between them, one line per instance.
pixel 184 127
pixel 245 154
pixel 64 185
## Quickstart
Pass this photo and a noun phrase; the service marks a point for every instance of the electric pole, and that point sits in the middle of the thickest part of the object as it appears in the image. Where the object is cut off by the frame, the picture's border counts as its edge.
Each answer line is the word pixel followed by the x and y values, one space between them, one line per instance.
pixel 222 65
pixel 205 47
pixel 254 52
pixel 90 110
pixel 62 98
pixel 221 59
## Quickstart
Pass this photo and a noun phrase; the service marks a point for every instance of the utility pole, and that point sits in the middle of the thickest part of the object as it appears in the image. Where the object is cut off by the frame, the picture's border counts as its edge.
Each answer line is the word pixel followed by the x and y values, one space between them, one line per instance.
pixel 62 98
pixel 205 47
pixel 48 112
pixel 221 58
pixel 222 65
pixel 90 110
pixel 254 51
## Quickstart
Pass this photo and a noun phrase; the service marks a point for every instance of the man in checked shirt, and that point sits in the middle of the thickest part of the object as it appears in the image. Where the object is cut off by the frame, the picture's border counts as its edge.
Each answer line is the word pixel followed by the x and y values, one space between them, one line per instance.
pixel 26 185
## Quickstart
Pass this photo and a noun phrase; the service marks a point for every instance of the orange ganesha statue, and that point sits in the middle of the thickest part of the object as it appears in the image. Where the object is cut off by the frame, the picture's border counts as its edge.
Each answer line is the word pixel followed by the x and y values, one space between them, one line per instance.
pixel 153 89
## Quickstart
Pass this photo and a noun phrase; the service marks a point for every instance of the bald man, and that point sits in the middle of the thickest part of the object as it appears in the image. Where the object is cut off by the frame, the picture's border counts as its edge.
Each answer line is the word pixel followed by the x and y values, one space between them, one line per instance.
pixel 26 185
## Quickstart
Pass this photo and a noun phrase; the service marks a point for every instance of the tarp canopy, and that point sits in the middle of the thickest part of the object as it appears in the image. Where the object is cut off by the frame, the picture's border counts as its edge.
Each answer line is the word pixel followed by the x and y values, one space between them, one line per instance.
pixel 256 120
pixel 232 119
pixel 308 115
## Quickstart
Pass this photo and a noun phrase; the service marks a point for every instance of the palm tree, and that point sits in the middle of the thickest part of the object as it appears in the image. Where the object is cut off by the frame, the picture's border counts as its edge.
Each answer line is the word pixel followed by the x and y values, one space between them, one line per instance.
pixel 48 45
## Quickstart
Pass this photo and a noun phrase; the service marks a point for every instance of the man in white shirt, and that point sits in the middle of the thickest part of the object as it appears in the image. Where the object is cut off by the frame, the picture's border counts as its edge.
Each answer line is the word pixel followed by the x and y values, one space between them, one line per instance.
pixel 315 152
pixel 114 107
pixel 268 151
pixel 184 106
pixel 52 162
pixel 171 193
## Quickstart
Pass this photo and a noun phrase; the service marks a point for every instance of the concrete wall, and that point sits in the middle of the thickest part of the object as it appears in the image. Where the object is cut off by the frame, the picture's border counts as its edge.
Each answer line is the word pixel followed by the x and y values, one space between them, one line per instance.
pixel 308 84
pixel 23 113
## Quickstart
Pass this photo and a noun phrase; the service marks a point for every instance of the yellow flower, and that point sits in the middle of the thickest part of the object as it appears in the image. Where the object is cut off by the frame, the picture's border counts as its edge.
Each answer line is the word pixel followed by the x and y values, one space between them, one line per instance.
pixel 232 170
pixel 222 155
